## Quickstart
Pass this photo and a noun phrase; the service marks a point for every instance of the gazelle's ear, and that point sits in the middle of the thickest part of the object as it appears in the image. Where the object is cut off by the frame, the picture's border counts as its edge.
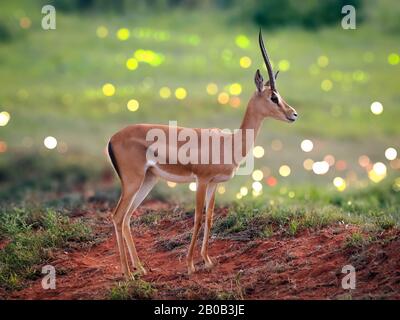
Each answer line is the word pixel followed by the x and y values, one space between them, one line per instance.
pixel 259 81
pixel 276 76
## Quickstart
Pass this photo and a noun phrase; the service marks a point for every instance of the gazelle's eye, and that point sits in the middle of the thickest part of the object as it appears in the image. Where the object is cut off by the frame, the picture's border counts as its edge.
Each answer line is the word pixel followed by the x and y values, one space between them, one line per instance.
pixel 274 99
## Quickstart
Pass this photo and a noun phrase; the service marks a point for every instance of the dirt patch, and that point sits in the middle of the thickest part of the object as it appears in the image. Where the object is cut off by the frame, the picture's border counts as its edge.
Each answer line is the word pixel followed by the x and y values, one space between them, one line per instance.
pixel 307 266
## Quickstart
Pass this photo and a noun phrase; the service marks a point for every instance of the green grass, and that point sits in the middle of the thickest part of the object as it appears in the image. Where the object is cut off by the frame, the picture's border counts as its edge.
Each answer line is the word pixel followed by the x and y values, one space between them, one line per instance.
pixel 357 240
pixel 375 209
pixel 31 235
pixel 135 288
pixel 254 221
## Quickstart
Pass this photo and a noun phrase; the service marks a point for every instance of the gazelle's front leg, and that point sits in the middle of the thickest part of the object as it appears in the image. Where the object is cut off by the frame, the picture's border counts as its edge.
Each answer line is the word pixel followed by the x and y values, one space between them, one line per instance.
pixel 210 200
pixel 200 195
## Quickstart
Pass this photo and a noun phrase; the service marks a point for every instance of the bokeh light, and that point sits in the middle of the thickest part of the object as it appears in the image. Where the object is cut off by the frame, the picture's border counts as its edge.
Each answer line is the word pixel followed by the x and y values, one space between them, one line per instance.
pixel 330 159
pixel 245 62
pixel 25 23
pixel 271 181
pixel 257 175
pixel 235 89
pixel 50 142
pixel 308 164
pixel 165 92
pixel 221 189
pixel 257 186
pixel 171 184
pixel 393 59
pixel 284 65
pixel 102 32
pixel 258 152
pixel 378 172
pixel 223 98
pixel 307 145
pixel 234 102
pixel 326 85
pixel 320 167
pixel 123 34
pixel 132 64
pixel 276 145
pixel 376 108
pixel 180 93
pixel 341 165
pixel 390 153
pixel 339 183
pixel 364 161
pixel 284 170
pixel 212 89
pixel 150 57
pixel 133 105
pixel 192 186
pixel 4 118
pixel 379 168
pixel 244 191
pixel 108 90
pixel 242 41
pixel 323 61
pixel 3 146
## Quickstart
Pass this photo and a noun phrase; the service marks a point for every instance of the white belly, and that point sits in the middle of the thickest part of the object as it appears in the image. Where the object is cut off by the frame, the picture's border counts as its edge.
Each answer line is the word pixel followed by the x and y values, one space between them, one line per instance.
pixel 222 177
pixel 173 177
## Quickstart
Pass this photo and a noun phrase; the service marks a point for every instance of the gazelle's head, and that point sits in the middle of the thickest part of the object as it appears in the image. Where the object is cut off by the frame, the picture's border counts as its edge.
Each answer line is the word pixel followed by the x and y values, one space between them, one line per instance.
pixel 268 101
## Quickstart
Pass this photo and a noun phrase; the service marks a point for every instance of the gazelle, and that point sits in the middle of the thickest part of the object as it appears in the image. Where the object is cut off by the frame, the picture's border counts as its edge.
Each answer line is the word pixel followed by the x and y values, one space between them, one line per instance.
pixel 128 150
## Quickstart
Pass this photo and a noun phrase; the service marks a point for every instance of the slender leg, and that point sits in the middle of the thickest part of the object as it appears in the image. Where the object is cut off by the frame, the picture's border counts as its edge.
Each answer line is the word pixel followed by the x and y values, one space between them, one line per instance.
pixel 148 184
pixel 128 192
pixel 200 195
pixel 210 200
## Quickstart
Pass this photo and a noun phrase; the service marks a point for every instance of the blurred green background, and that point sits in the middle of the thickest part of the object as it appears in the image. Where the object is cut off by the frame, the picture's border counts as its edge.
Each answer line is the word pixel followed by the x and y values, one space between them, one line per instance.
pixel 113 63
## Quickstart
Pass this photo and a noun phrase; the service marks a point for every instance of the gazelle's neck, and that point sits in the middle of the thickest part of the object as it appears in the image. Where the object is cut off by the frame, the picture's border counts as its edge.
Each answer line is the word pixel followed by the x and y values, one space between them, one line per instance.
pixel 251 125
pixel 252 120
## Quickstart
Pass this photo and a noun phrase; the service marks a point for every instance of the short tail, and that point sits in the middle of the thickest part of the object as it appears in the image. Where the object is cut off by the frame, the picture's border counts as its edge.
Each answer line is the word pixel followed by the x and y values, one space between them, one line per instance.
pixel 112 158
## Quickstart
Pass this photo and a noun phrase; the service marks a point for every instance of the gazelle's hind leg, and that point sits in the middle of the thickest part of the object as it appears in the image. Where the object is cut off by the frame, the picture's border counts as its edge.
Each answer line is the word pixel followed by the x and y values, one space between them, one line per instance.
pixel 210 200
pixel 200 196
pixel 148 183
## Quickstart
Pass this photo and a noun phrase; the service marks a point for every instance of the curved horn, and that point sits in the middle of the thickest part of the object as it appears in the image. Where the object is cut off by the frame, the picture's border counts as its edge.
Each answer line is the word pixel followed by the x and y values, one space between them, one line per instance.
pixel 267 62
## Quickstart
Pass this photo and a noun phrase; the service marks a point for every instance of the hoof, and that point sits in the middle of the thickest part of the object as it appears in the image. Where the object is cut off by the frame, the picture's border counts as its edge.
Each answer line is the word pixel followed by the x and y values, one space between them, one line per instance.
pixel 208 262
pixel 142 270
pixel 191 270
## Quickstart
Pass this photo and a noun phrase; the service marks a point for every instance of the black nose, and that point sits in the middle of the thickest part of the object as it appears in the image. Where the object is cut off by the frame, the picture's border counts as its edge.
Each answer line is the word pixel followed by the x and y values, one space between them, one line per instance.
pixel 295 114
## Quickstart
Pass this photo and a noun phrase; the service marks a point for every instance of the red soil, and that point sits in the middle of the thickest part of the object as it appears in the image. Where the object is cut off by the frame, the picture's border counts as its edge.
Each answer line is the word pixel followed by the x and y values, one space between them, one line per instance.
pixel 307 266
